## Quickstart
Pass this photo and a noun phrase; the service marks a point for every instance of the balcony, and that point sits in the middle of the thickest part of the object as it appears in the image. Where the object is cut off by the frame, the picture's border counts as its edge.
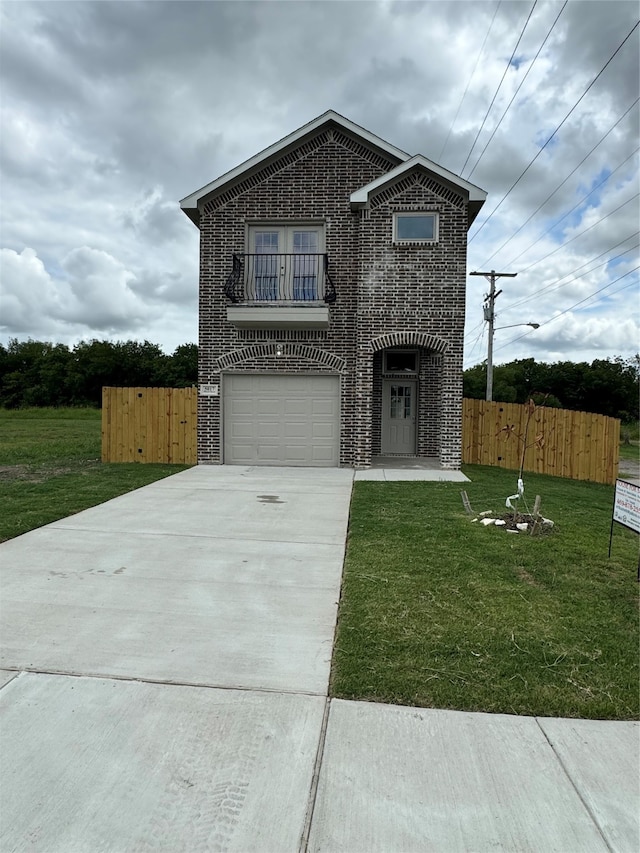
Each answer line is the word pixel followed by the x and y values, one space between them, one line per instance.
pixel 280 291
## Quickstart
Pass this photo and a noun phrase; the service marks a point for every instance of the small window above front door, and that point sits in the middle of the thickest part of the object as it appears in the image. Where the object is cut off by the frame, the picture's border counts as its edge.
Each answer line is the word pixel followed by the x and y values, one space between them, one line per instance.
pixel 401 361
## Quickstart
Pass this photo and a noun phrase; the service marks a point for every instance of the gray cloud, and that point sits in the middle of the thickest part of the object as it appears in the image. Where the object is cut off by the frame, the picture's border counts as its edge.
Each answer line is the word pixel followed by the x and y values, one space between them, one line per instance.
pixel 113 111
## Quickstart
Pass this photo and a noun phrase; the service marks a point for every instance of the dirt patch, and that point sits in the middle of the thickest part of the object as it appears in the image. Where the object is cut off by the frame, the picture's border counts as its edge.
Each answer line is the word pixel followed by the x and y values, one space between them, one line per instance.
pixel 517 522
pixel 524 575
pixel 16 472
pixel 536 526
pixel 31 474
pixel 629 469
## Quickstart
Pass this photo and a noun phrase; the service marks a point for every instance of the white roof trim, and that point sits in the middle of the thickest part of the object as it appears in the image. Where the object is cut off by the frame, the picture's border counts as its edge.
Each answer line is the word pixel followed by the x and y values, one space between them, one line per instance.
pixel 191 201
pixel 361 197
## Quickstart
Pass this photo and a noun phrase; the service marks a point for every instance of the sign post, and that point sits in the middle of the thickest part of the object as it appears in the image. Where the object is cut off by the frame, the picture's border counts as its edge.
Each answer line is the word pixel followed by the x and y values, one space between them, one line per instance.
pixel 626 509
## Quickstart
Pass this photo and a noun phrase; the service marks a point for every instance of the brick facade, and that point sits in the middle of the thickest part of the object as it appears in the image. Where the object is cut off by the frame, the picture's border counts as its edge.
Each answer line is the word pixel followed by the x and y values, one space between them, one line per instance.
pixel 388 296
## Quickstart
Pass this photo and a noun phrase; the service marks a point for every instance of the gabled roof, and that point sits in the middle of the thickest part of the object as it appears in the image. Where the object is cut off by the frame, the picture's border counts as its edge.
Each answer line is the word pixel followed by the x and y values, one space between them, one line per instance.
pixel 191 203
pixel 360 198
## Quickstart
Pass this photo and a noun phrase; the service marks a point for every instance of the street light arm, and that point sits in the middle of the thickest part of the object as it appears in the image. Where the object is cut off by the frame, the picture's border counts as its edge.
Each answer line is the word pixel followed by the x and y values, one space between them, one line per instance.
pixel 533 326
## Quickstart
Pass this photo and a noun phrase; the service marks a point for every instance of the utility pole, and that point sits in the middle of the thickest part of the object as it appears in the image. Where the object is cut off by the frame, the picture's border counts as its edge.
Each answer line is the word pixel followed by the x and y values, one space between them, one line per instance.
pixel 489 316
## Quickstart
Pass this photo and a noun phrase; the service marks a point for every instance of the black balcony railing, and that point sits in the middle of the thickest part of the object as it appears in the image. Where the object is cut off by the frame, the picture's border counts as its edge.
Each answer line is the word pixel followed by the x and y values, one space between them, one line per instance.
pixel 280 278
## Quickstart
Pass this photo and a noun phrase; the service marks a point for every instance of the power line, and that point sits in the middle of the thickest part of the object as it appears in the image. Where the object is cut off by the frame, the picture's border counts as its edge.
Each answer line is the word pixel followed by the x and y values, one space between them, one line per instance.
pixel 475 68
pixel 582 200
pixel 566 243
pixel 515 94
pixel 549 197
pixel 499 85
pixel 571 307
pixel 476 342
pixel 517 181
pixel 471 331
pixel 555 283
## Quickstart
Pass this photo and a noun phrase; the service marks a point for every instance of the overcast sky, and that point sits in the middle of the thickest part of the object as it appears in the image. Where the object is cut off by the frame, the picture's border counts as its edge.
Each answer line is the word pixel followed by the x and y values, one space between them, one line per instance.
pixel 113 111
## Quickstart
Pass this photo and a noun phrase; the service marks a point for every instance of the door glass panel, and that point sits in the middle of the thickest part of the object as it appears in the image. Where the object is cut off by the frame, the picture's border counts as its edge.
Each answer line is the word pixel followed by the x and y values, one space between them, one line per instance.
pixel 305 265
pixel 400 402
pixel 265 273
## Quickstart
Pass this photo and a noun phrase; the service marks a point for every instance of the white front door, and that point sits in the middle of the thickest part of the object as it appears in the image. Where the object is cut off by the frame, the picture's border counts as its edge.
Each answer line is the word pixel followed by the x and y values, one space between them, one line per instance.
pixel 285 263
pixel 399 406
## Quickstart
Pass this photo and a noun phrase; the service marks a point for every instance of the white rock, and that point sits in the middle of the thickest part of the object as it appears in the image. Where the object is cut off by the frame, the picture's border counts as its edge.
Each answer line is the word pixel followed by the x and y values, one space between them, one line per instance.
pixel 487 521
pixel 500 522
pixel 473 519
pixel 522 526
pixel 512 531
pixel 548 522
pixel 486 512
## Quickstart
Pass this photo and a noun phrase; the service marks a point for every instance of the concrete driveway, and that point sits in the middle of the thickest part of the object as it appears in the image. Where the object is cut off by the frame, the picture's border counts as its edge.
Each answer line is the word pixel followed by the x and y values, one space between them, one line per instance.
pixel 224 577
pixel 166 660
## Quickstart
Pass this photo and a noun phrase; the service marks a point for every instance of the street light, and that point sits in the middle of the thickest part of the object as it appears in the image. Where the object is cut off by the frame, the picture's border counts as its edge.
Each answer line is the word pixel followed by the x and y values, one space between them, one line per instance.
pixel 493 329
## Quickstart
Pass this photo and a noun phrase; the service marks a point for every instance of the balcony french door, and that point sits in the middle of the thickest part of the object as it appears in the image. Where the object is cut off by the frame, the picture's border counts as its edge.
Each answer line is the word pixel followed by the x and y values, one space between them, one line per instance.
pixel 287 264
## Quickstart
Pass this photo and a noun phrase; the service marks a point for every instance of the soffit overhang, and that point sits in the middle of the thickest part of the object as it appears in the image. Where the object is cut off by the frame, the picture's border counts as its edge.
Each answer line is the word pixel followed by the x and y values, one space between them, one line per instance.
pixel 193 204
pixel 473 195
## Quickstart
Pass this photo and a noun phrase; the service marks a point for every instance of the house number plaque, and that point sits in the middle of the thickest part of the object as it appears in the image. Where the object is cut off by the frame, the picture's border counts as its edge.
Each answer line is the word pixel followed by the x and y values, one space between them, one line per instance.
pixel 209 390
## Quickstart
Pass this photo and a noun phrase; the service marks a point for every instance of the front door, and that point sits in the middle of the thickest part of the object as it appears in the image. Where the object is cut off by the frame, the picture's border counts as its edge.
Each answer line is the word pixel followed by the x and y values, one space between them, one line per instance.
pixel 399 417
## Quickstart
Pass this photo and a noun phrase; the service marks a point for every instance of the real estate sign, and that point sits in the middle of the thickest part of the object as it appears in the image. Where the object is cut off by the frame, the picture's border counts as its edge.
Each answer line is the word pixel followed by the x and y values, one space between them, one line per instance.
pixel 626 505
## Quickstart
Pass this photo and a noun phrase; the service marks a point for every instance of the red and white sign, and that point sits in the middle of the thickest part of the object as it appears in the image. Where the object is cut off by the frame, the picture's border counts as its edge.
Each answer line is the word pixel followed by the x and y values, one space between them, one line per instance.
pixel 626 505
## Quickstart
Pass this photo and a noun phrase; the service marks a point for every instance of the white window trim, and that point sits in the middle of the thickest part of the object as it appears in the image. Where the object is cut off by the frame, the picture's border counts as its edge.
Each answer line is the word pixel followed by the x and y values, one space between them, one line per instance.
pixel 286 228
pixel 436 227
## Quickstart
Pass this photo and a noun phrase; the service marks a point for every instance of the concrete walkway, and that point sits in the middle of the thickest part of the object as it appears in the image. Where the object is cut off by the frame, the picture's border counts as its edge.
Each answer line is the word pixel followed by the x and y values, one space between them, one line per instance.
pixel 165 671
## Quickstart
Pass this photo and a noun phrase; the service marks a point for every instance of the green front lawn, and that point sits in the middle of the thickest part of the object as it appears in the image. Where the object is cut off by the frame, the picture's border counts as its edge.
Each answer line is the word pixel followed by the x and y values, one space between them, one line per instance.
pixel 441 612
pixel 50 467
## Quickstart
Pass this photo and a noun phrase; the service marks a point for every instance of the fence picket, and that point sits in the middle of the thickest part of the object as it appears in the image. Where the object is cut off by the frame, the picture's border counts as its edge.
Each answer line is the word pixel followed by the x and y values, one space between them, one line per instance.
pixel 161 426
pixel 577 445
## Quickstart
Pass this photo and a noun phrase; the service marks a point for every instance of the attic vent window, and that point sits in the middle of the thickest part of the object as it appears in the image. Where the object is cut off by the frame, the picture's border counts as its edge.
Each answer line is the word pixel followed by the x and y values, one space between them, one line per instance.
pixel 415 228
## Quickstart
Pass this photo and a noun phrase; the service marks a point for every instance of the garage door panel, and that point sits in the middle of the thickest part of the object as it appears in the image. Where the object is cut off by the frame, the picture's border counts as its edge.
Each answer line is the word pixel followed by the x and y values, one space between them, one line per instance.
pixel 296 407
pixel 273 419
pixel 242 431
pixel 323 407
pixel 323 431
pixel 322 456
pixel 240 382
pixel 268 430
pixel 243 453
pixel 295 455
pixel 268 407
pixel 297 431
pixel 242 407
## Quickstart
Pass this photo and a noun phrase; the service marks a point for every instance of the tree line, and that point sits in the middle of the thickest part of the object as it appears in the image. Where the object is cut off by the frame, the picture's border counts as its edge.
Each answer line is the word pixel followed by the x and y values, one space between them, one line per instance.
pixel 605 387
pixel 39 373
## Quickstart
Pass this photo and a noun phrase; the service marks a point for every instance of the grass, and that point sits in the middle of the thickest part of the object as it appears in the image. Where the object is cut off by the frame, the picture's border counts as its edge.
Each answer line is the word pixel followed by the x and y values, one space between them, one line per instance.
pixel 630 451
pixel 435 611
pixel 439 612
pixel 50 467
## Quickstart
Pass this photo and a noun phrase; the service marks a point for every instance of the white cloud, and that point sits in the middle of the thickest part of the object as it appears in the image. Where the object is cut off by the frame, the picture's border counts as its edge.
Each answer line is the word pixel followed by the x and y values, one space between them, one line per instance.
pixel 111 112
pixel 27 291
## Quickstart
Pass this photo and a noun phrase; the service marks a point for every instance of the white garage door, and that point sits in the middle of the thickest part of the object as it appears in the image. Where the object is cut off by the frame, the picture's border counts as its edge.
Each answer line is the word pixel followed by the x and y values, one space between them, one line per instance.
pixel 281 420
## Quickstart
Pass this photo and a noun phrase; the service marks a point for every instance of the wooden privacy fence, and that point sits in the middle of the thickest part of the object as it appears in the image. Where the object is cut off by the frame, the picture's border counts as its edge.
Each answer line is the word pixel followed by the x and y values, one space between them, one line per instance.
pixel 149 425
pixel 577 445
pixel 160 424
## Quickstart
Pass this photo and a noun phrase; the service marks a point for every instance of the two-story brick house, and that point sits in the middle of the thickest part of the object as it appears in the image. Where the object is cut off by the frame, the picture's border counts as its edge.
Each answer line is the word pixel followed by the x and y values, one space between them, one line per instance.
pixel 332 302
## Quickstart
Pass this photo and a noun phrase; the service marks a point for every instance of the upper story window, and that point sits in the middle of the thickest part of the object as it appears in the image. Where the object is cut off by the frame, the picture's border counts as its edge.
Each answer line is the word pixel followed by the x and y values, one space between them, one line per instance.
pixel 415 227
pixel 286 262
